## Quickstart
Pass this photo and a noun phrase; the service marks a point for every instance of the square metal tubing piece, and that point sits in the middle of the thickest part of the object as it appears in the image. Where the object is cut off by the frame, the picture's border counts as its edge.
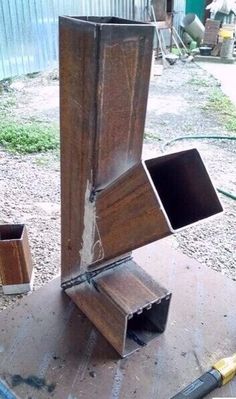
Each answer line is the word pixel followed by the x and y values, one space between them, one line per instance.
pixel 16 266
pixel 125 304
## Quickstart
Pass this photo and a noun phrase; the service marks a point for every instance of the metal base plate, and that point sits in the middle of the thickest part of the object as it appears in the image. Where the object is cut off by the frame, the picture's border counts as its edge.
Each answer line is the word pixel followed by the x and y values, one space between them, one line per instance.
pixel 46 336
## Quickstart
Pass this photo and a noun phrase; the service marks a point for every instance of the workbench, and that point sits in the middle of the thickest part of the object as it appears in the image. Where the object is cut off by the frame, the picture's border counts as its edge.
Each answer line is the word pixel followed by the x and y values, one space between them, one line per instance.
pixel 49 349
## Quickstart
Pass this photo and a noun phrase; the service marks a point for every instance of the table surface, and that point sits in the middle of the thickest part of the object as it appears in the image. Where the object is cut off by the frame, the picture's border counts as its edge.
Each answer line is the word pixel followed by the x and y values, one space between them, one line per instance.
pixel 49 349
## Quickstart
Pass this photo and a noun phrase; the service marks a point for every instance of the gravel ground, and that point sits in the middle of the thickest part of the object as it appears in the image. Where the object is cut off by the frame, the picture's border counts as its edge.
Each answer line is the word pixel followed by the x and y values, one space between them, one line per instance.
pixel 30 194
pixel 30 189
pixel 177 108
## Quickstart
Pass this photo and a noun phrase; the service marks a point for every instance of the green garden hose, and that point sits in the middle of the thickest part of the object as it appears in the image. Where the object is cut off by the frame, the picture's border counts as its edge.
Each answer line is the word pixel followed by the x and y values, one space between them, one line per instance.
pixel 167 143
pixel 229 195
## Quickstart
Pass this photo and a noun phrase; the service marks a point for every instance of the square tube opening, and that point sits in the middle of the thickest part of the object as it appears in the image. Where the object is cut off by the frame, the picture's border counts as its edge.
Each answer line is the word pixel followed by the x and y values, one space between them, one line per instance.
pixel 145 326
pixel 11 232
pixel 110 20
pixel 184 187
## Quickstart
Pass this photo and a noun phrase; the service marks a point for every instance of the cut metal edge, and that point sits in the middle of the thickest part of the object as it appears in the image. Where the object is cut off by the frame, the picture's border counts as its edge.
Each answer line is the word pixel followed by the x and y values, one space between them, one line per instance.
pixel 162 208
pixel 12 289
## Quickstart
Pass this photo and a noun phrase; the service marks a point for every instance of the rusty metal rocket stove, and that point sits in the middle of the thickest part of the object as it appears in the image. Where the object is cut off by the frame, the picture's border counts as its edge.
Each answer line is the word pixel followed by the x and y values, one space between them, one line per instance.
pixel 112 201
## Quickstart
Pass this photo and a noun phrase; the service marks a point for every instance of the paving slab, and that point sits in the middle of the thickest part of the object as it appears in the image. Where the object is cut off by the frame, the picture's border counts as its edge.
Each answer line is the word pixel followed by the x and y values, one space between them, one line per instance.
pixel 48 348
pixel 226 74
pixel 215 59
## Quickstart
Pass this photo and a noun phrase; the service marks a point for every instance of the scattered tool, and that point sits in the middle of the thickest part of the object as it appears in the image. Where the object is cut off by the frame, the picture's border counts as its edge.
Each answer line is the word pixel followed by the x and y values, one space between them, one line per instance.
pixel 160 39
pixel 221 373
pixel 174 37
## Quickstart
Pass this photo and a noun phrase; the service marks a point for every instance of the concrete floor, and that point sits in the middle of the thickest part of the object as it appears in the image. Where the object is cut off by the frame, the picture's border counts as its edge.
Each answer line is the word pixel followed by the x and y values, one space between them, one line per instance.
pixel 226 74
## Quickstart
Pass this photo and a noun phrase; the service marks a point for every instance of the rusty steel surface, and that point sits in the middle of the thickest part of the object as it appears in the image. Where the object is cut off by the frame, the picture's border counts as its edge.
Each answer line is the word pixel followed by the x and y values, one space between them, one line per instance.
pixel 46 336
pixel 126 305
pixel 16 264
pixel 102 108
pixel 152 200
pixel 112 202
pixel 125 54
pixel 184 187
pixel 128 214
pixel 78 58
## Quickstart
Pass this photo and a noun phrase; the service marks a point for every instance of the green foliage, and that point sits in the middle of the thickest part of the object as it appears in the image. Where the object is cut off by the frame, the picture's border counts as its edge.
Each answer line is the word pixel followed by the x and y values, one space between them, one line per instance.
pixel 175 51
pixel 219 102
pixel 151 136
pixel 41 162
pixel 6 104
pixel 28 137
pixel 4 85
pixel 231 124
pixel 222 105
pixel 200 82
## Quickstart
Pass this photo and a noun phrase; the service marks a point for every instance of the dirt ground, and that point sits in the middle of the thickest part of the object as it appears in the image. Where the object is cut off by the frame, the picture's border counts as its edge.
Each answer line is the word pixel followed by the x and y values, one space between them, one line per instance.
pixel 30 184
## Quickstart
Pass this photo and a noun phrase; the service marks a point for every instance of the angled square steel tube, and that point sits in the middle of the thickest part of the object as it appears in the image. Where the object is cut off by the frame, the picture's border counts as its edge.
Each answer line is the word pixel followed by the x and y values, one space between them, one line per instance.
pixel 152 200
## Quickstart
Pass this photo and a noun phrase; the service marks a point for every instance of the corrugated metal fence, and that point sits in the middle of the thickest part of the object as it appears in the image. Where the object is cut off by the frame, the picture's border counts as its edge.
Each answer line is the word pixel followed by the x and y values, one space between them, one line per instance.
pixel 179 12
pixel 29 29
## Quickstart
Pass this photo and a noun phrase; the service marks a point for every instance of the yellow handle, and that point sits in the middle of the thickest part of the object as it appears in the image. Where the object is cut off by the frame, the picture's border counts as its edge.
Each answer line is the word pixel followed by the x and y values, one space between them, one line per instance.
pixel 227 368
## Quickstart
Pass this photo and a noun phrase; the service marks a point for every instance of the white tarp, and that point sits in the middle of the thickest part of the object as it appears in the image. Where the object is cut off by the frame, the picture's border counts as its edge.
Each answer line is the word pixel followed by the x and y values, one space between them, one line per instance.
pixel 223 6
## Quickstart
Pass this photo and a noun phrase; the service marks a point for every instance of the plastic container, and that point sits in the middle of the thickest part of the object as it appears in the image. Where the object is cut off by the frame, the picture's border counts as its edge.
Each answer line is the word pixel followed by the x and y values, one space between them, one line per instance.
pixel 194 27
pixel 205 50
pixel 226 34
pixel 227 48
pixel 193 45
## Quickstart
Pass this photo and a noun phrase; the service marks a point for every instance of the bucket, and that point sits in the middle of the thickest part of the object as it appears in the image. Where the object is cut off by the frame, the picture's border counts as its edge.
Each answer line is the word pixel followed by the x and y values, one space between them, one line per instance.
pixel 227 48
pixel 194 27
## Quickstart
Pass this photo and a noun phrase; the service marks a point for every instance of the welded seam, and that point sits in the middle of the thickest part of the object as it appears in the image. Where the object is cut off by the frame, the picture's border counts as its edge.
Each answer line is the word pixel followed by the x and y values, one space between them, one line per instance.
pixel 97 39
pixel 87 277
pixel 88 236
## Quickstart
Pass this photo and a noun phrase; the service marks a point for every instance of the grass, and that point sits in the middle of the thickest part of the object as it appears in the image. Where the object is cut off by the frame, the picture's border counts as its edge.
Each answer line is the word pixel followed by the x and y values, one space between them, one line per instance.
pixel 188 127
pixel 151 136
pixel 6 105
pixel 27 138
pixel 200 82
pixel 175 51
pixel 5 84
pixel 41 162
pixel 231 124
pixel 23 136
pixel 222 105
